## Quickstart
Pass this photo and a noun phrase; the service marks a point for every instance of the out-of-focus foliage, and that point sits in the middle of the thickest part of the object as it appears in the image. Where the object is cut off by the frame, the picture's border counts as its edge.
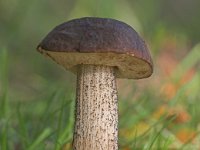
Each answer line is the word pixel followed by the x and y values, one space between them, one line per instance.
pixel 37 96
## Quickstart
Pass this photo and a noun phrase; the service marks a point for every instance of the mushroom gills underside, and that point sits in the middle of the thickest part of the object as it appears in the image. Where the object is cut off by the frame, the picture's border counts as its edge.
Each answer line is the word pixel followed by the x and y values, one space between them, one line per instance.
pixel 127 65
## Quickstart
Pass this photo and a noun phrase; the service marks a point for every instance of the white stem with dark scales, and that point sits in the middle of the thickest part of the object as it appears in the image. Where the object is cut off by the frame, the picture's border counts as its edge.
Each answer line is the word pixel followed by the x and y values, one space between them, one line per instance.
pixel 96 118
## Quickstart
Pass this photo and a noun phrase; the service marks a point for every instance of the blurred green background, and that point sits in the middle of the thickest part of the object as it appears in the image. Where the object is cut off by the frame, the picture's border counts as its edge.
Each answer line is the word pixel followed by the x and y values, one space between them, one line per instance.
pixel 37 96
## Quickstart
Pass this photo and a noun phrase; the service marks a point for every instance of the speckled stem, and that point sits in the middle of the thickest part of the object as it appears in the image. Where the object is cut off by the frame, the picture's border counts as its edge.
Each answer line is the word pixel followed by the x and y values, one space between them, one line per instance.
pixel 96 120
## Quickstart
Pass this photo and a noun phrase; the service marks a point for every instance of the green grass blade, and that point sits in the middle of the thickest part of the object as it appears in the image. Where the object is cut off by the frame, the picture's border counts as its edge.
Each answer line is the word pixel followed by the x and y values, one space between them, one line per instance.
pixel 46 133
pixel 3 100
pixel 66 133
pixel 3 82
pixel 188 62
pixel 4 138
pixel 22 128
pixel 59 128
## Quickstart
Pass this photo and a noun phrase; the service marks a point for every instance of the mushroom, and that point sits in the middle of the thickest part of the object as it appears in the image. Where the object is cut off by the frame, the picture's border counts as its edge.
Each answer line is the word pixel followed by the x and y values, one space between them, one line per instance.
pixel 98 50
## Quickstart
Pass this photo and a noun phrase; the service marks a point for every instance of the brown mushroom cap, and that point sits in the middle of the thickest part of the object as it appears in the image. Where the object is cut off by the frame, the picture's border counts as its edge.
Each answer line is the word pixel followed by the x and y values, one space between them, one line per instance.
pixel 99 41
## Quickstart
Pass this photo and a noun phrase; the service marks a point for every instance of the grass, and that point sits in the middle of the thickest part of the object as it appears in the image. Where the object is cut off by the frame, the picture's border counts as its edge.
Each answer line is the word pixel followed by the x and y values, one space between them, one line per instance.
pixel 46 121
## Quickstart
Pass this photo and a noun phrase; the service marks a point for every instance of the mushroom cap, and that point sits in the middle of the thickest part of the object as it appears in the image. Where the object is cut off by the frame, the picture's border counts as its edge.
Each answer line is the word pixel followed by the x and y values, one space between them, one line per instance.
pixel 99 41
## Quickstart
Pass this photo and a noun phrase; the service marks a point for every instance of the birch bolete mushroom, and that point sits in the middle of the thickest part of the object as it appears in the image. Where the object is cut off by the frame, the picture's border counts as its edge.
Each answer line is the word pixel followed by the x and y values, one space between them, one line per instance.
pixel 98 50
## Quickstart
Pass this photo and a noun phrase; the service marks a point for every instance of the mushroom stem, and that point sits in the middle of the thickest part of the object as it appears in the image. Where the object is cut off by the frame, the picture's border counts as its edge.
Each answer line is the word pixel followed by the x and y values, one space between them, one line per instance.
pixel 96 118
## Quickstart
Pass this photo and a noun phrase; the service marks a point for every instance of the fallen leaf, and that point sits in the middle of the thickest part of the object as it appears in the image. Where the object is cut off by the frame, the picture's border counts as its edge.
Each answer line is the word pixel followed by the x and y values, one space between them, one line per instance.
pixel 169 90
pixel 67 146
pixel 135 131
pixel 187 76
pixel 185 135
pixel 179 114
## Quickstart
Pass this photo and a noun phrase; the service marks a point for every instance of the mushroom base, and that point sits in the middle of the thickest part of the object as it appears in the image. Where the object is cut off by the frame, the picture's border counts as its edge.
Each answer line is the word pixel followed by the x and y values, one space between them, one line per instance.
pixel 96 117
